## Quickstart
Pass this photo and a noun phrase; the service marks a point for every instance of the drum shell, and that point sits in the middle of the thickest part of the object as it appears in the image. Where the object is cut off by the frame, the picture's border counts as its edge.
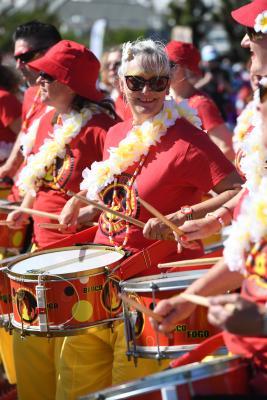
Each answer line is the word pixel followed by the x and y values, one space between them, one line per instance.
pixel 74 301
pixel 188 333
pixel 223 376
pixel 5 294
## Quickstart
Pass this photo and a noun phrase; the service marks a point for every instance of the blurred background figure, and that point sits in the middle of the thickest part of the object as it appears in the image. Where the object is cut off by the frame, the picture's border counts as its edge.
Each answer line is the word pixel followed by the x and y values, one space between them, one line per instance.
pixel 185 59
pixel 10 110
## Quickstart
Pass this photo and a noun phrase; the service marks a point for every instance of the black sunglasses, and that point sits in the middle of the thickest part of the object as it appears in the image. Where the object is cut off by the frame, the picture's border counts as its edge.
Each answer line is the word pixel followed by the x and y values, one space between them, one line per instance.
pixel 28 56
pixel 262 93
pixel 253 35
pixel 137 83
pixel 46 77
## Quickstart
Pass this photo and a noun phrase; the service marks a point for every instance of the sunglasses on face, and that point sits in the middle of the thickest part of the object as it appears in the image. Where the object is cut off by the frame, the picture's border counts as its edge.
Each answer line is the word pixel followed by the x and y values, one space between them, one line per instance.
pixel 46 77
pixel 263 93
pixel 137 83
pixel 253 35
pixel 28 56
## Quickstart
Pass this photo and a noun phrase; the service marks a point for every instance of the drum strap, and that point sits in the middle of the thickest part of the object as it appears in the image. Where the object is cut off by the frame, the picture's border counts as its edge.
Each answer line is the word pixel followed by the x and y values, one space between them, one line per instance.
pixel 84 237
pixel 147 259
pixel 205 348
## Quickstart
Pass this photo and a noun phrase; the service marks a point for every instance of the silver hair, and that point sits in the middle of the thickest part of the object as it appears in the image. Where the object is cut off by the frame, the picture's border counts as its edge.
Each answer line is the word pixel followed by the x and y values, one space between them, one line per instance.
pixel 150 55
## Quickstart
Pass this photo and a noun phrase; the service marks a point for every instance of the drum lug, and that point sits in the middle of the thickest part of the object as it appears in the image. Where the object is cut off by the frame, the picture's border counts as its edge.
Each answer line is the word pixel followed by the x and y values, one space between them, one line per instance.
pixel 169 393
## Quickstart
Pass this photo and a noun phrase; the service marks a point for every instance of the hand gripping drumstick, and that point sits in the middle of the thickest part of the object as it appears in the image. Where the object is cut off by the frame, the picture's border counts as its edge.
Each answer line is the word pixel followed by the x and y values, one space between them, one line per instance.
pixel 189 263
pixel 140 307
pixel 161 217
pixel 106 209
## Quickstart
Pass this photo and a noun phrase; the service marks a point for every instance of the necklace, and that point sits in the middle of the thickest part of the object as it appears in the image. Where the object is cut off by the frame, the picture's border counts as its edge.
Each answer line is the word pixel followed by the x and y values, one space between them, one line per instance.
pixel 251 224
pixel 135 145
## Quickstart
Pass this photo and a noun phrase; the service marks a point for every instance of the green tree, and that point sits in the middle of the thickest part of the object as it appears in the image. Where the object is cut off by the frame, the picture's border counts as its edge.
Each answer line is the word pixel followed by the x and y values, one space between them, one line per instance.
pixel 9 22
pixel 200 17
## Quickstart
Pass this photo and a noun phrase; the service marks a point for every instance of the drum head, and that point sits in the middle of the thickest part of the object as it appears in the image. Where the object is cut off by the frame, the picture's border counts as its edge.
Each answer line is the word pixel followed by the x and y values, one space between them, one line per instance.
pixel 165 281
pixel 67 262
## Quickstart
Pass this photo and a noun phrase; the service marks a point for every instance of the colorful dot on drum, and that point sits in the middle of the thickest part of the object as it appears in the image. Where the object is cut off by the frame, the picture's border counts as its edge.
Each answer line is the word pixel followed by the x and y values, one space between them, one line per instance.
pixel 17 238
pixel 69 291
pixel 84 280
pixel 82 311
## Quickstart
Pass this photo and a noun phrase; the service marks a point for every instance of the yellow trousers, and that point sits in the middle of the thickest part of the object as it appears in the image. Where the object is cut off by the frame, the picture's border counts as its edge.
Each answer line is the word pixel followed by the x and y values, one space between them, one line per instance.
pixel 97 360
pixel 6 351
pixel 36 360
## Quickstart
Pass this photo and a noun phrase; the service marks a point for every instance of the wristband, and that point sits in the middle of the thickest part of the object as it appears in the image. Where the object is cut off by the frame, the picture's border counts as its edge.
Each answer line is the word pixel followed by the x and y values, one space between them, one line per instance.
pixel 188 212
pixel 219 219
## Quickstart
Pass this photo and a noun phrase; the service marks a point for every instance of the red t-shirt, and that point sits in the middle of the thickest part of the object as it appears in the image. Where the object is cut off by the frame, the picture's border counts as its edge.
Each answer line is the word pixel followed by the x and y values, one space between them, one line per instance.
pixel 254 288
pixel 10 110
pixel 66 174
pixel 183 166
pixel 207 110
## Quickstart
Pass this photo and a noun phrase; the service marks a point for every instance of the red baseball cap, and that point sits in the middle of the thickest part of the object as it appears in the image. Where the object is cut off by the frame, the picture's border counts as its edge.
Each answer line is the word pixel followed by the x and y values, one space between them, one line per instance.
pixel 184 54
pixel 74 65
pixel 247 14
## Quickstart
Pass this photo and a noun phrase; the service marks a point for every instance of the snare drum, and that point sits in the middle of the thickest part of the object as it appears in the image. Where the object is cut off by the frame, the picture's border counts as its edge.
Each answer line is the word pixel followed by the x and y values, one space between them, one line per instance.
pixel 225 376
pixel 65 291
pixel 142 340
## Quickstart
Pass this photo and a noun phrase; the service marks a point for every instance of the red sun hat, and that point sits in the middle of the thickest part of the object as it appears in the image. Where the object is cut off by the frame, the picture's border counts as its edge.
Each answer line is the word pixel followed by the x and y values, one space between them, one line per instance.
pixel 184 54
pixel 73 65
pixel 247 14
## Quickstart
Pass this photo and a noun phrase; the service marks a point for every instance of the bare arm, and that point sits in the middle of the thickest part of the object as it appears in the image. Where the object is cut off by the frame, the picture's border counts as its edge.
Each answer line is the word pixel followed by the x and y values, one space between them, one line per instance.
pixel 222 137
pixel 15 159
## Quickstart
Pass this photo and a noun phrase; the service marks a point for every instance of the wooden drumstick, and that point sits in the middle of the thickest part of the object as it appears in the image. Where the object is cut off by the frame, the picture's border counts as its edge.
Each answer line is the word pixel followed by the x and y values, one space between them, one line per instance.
pixel 161 217
pixel 140 307
pixel 196 299
pixel 30 211
pixel 203 301
pixel 47 225
pixel 191 263
pixel 106 209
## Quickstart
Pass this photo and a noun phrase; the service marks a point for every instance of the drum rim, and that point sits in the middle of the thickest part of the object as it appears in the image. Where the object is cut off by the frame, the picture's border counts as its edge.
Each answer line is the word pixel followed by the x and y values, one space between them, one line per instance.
pixel 144 284
pixel 185 374
pixel 34 277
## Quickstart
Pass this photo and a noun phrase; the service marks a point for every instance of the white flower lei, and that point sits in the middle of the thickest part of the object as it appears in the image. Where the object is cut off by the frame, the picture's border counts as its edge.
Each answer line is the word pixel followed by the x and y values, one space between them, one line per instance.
pixel 246 119
pixel 136 143
pixel 28 138
pixel 261 22
pixel 251 224
pixel 39 163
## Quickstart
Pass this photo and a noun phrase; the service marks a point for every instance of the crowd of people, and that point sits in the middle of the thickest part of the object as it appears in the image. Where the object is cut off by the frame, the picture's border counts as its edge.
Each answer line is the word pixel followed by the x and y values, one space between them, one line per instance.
pixel 147 131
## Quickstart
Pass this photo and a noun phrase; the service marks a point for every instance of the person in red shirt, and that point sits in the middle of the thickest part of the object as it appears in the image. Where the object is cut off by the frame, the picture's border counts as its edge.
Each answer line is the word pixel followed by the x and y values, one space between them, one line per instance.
pixel 31 40
pixel 244 263
pixel 69 137
pixel 185 59
pixel 157 156
pixel 10 111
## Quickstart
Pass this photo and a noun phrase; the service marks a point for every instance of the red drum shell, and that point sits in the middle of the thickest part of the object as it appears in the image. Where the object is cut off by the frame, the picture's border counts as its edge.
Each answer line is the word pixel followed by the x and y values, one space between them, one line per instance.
pixel 223 376
pixel 5 294
pixel 74 300
pixel 189 332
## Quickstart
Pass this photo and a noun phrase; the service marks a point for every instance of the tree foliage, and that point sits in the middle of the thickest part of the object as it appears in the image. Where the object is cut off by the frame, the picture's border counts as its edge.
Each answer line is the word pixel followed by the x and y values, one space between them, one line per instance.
pixel 201 17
